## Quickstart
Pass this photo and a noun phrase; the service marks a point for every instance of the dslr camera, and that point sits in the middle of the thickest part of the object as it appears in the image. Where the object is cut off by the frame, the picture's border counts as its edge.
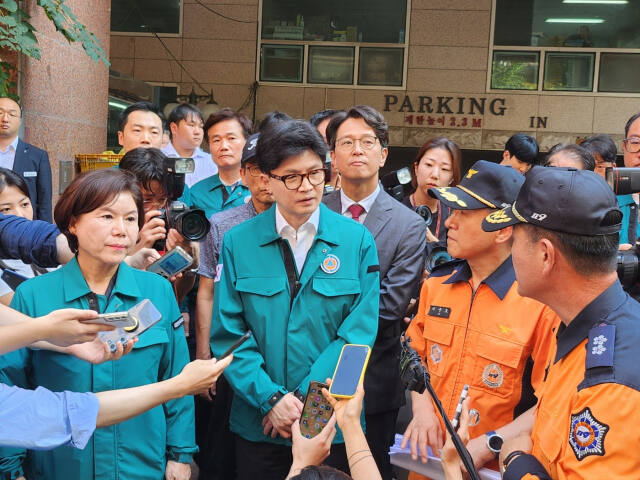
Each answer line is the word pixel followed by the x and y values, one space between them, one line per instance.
pixel 413 374
pixel 191 223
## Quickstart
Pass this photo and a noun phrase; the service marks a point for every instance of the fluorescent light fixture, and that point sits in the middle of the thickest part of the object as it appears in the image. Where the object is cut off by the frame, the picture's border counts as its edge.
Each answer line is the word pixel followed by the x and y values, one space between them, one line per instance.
pixel 574 20
pixel 119 105
pixel 600 2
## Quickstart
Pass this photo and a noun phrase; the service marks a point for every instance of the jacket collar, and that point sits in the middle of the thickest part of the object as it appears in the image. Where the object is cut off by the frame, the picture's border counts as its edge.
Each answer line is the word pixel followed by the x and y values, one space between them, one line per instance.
pixel 577 331
pixel 267 232
pixel 75 286
pixel 500 281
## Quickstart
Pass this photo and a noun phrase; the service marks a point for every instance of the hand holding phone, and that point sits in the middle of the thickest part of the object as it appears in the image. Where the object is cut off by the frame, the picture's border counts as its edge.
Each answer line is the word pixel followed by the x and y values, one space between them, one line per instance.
pixel 316 411
pixel 171 263
pixel 350 370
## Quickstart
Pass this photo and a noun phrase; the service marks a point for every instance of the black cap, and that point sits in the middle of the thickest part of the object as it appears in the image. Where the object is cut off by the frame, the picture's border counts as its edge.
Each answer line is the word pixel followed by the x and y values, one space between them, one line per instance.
pixel 563 200
pixel 486 185
pixel 249 150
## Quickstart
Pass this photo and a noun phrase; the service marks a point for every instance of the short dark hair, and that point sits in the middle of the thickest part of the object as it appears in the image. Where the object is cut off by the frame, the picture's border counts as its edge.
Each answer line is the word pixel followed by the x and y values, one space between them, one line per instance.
pixel 319 117
pixel 287 139
pixel 9 178
pixel 447 145
pixel 228 114
pixel 587 254
pixel 371 116
pixel 601 145
pixel 139 107
pixel 147 164
pixel 524 148
pixel 320 472
pixel 183 112
pixel 629 123
pixel 91 190
pixel 575 151
pixel 271 118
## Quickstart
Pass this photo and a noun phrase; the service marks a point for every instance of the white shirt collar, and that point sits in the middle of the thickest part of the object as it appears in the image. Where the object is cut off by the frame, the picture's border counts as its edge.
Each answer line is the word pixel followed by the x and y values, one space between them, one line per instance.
pixel 170 151
pixel 13 145
pixel 313 221
pixel 365 203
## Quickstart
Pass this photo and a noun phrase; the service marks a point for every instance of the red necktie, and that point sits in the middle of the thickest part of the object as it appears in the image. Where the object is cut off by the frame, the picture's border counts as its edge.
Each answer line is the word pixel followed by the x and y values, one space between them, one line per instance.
pixel 356 210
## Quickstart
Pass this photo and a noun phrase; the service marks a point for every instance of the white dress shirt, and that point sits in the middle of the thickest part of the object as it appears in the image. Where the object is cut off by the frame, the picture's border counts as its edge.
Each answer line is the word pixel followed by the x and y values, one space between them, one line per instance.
pixel 8 156
pixel 205 166
pixel 301 239
pixel 365 203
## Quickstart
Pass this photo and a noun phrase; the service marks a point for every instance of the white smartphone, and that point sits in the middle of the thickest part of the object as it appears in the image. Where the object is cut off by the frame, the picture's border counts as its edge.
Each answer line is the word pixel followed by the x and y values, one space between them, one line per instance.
pixel 144 314
pixel 171 263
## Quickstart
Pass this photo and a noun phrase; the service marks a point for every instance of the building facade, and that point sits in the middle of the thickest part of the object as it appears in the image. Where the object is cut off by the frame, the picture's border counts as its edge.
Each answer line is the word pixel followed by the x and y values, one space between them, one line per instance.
pixel 476 71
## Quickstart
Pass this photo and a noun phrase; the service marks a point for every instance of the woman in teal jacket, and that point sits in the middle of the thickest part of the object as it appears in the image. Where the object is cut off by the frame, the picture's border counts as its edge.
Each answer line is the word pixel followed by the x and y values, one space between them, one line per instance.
pixel 100 213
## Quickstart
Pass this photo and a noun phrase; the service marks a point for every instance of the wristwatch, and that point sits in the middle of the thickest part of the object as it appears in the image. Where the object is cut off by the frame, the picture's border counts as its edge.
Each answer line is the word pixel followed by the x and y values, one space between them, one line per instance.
pixel 494 442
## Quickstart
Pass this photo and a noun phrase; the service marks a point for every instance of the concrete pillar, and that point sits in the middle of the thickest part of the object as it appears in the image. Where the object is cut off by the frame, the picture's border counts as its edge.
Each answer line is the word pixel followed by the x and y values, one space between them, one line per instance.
pixel 64 95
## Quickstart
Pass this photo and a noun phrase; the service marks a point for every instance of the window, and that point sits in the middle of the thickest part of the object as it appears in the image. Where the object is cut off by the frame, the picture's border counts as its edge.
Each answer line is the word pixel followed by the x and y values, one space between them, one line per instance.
pixel 359 42
pixel 567 23
pixel 619 72
pixel 145 16
pixel 162 95
pixel 559 45
pixel 515 70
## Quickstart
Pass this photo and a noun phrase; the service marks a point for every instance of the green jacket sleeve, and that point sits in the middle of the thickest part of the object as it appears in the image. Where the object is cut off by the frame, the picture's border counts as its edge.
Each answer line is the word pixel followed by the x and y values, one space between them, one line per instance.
pixel 360 326
pixel 246 373
pixel 179 412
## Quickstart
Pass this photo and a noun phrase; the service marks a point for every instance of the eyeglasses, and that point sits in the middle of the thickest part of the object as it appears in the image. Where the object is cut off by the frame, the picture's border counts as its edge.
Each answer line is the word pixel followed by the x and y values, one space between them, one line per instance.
pixel 294 180
pixel 11 113
pixel 633 144
pixel 254 171
pixel 347 144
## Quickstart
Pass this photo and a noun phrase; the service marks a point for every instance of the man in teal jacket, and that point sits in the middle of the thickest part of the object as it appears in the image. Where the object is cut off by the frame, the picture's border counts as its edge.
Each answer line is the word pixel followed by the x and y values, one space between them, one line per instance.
pixel 305 281
pixel 137 449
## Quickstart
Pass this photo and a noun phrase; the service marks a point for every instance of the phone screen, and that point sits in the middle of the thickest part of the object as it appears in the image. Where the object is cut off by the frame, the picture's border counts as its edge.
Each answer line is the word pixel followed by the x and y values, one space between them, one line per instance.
pixel 350 369
pixel 174 263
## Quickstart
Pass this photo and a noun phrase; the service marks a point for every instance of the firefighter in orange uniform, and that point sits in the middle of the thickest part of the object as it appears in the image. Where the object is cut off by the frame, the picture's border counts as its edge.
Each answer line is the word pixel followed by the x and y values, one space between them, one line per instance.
pixel 473 327
pixel 566 225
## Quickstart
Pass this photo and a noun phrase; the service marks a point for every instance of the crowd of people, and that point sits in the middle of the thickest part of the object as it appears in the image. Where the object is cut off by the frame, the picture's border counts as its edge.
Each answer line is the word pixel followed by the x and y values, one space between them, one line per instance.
pixel 308 251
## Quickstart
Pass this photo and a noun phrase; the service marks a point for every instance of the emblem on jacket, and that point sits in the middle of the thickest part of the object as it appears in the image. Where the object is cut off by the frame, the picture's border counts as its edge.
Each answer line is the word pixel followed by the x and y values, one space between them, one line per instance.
pixel 436 353
pixel 586 434
pixel 330 264
pixel 492 375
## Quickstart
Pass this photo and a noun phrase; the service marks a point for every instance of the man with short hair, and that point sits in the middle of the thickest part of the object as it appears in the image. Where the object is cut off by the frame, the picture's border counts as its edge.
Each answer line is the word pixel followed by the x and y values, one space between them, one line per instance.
pixel 520 152
pixel 604 151
pixel 226 131
pixel 25 159
pixel 570 155
pixel 629 203
pixel 565 243
pixel 321 120
pixel 186 125
pixel 305 281
pixel 141 125
pixel 358 140
pixel 472 326
pixel 217 455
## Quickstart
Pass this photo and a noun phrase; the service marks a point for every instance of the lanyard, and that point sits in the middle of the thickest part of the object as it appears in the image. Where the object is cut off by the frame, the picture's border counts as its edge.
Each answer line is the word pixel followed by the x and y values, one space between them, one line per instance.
pixel 93 298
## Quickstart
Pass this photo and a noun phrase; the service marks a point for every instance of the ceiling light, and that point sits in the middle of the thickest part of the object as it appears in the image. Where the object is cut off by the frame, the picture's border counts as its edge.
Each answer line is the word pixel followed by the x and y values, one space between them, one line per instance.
pixel 574 20
pixel 601 2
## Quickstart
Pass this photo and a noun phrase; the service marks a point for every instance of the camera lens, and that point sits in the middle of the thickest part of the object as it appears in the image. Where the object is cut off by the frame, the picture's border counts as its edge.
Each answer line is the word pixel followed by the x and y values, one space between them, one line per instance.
pixel 194 225
pixel 439 255
pixel 425 213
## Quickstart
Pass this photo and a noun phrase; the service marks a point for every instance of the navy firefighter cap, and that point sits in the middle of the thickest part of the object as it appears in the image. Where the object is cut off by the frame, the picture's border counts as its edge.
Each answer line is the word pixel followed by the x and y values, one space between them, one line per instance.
pixel 249 150
pixel 564 200
pixel 486 185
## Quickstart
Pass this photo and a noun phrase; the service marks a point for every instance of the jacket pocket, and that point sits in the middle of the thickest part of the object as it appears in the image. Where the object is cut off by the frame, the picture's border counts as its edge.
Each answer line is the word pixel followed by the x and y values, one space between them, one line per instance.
pixel 266 287
pixel 439 336
pixel 497 364
pixel 153 336
pixel 334 287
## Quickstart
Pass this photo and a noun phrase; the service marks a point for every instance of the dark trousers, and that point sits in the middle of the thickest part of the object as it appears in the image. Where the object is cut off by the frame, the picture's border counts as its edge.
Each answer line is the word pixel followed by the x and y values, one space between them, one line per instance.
pixel 217 459
pixel 268 461
pixel 381 430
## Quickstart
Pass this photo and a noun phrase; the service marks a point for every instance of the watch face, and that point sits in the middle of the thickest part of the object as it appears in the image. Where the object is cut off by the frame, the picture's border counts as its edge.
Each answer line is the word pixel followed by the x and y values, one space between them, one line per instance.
pixel 495 443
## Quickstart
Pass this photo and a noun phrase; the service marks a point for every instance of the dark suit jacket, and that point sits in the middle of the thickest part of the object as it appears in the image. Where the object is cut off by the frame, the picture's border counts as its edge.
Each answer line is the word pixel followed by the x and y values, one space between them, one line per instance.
pixel 33 164
pixel 400 236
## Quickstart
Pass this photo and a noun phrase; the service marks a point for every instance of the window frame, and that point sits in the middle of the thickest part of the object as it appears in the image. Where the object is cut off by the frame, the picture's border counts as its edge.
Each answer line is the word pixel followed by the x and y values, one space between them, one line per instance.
pixel 356 60
pixel 543 51
pixel 160 34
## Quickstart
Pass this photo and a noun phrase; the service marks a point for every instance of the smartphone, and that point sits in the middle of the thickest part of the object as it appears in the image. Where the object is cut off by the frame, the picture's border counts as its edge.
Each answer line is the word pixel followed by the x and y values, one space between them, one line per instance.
pixel 13 279
pixel 171 263
pixel 316 411
pixel 145 316
pixel 116 319
pixel 239 342
pixel 350 370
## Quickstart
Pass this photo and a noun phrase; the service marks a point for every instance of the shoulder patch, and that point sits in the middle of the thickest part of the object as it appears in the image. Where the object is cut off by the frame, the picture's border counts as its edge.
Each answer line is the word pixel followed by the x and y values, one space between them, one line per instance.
pixel 178 323
pixel 600 346
pixel 445 268
pixel 587 434
pixel 373 268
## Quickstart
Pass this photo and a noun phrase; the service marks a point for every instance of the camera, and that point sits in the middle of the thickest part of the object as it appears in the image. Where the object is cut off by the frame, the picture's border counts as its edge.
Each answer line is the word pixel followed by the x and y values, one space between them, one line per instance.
pixel 191 223
pixel 625 181
pixel 413 374
pixel 436 255
pixel 395 183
